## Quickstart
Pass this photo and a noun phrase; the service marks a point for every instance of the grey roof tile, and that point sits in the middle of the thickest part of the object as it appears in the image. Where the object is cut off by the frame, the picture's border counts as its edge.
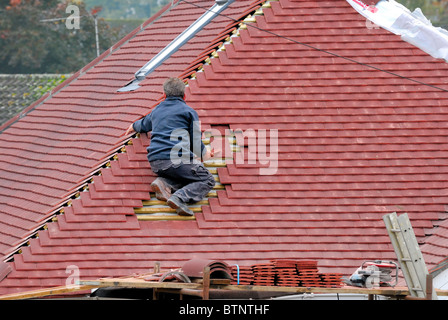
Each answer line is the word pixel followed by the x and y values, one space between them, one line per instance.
pixel 18 91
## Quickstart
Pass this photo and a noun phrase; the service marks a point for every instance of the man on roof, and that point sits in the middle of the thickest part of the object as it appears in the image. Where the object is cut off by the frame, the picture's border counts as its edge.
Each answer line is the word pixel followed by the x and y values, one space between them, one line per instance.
pixel 176 150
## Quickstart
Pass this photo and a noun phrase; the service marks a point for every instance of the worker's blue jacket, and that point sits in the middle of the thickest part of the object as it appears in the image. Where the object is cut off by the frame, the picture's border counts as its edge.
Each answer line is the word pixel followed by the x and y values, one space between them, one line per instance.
pixel 173 126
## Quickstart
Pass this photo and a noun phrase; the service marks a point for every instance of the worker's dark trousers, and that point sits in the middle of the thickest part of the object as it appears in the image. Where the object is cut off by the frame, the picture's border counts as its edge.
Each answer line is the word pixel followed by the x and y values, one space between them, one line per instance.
pixel 189 182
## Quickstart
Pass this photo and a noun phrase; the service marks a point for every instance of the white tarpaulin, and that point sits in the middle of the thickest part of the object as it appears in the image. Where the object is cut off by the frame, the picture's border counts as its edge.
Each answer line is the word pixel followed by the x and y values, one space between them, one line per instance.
pixel 413 27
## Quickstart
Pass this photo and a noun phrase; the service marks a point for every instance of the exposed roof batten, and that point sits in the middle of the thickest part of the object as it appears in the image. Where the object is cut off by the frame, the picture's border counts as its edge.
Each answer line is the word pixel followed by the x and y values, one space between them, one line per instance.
pixel 178 42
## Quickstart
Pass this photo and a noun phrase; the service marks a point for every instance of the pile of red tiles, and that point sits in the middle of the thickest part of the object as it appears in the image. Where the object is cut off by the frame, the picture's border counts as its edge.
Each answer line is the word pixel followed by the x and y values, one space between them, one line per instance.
pixel 242 275
pixel 264 274
pixel 286 273
pixel 308 273
pixel 332 280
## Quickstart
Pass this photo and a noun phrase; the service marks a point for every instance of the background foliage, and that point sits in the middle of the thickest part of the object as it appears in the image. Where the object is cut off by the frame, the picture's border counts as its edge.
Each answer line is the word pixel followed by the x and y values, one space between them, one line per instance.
pixel 434 10
pixel 30 45
pixel 31 42
pixel 127 9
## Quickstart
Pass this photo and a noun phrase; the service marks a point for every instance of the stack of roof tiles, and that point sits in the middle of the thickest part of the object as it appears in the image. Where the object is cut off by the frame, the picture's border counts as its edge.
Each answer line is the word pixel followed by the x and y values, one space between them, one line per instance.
pixel 286 273
pixel 308 274
pixel 332 280
pixel 264 274
pixel 242 275
pixel 354 143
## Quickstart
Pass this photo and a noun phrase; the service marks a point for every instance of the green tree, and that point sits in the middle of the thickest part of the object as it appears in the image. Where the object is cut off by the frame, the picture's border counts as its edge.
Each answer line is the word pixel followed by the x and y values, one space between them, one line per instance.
pixel 34 37
pixel 127 9
pixel 434 10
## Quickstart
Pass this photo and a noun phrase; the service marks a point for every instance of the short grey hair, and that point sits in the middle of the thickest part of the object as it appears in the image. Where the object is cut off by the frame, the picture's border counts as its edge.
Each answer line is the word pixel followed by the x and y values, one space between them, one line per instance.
pixel 174 87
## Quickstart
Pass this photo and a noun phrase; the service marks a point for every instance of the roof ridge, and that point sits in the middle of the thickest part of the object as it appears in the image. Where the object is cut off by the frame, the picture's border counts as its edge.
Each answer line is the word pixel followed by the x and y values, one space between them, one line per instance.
pixel 224 37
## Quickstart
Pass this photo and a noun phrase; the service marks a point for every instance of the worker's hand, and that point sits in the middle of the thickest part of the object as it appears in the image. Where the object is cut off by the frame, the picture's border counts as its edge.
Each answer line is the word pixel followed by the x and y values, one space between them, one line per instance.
pixel 129 130
pixel 211 153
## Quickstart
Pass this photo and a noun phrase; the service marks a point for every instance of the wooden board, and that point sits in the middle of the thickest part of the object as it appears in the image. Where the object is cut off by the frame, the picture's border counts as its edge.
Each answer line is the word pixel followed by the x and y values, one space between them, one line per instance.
pixel 129 282
pixel 47 292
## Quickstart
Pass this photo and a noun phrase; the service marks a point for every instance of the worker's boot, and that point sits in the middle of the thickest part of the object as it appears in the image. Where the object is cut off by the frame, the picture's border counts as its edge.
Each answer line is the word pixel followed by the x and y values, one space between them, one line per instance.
pixel 161 189
pixel 180 206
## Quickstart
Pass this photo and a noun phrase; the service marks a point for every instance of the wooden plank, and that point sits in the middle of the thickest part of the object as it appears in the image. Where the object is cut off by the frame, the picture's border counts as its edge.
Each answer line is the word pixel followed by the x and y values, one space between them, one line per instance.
pixel 206 284
pixel 212 194
pixel 215 163
pixel 213 281
pixel 152 210
pixel 387 291
pixel 187 288
pixel 397 291
pixel 219 186
pixel 47 292
pixel 152 217
pixel 163 203
pixel 128 283
pixel 378 291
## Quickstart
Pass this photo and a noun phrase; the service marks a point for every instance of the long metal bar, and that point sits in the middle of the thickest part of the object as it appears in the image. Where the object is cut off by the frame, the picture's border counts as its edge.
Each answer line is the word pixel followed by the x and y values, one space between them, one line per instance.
pixel 174 45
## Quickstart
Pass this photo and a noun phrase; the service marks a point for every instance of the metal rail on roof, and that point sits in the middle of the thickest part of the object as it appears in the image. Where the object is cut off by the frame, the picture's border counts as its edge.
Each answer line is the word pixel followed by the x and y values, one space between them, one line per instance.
pixel 178 42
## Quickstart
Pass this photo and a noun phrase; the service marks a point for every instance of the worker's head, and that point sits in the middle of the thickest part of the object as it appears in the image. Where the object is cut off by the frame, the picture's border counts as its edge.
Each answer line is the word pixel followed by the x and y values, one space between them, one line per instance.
pixel 174 87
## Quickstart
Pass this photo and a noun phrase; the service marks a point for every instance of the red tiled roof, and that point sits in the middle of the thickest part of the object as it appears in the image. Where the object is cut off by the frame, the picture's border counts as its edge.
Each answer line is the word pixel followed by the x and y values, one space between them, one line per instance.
pixel 355 143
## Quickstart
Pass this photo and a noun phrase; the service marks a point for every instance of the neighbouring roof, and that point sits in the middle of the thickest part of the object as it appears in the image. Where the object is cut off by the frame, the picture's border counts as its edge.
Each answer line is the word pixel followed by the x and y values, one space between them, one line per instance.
pixel 355 142
pixel 18 91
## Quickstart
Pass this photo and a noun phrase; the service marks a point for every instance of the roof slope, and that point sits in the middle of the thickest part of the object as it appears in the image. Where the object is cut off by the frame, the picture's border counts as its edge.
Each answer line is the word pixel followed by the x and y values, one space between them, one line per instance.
pixel 354 143
pixel 65 136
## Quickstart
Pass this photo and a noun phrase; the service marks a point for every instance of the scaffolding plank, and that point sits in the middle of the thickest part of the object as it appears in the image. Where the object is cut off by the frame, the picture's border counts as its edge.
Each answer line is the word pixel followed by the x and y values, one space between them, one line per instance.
pixel 47 292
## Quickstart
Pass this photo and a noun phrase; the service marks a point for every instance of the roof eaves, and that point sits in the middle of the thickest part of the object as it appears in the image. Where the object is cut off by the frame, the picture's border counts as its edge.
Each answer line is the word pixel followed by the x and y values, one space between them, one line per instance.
pixel 67 199
pixel 439 268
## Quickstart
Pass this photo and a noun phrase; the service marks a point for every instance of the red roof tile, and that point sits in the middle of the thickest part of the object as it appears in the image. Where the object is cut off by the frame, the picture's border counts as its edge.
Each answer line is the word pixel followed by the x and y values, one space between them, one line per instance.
pixel 355 143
